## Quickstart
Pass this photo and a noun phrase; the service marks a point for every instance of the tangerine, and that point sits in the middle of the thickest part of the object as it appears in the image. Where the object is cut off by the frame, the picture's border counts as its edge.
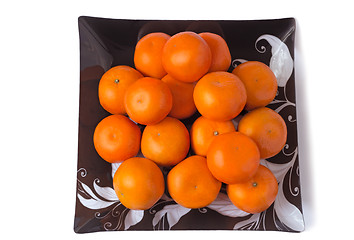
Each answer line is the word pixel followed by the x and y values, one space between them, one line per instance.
pixel 204 130
pixel 113 85
pixel 260 83
pixel 233 157
pixel 138 183
pixel 148 53
pixel 220 96
pixel 166 143
pixel 186 56
pixel 191 184
pixel 267 128
pixel 116 138
pixel 148 101
pixel 256 194
pixel 182 97
pixel 221 57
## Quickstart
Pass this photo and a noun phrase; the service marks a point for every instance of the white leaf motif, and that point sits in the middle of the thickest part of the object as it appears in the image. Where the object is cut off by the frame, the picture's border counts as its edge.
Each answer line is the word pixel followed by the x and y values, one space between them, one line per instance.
pixel 174 213
pixel 238 61
pixel 281 61
pixel 133 217
pixel 93 203
pixel 279 170
pixel 224 206
pixel 287 213
pixel 105 192
pixel 88 191
pixel 248 223
pixel 115 166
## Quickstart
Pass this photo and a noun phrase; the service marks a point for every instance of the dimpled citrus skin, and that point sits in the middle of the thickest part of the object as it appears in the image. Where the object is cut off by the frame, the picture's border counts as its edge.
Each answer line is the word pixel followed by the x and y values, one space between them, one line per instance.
pixel 148 101
pixel 233 157
pixel 113 85
pixel 148 53
pixel 116 138
pixel 191 184
pixel 260 83
pixel 220 96
pixel 267 128
pixel 256 194
pixel 221 57
pixel 138 183
pixel 186 56
pixel 182 93
pixel 166 143
pixel 204 130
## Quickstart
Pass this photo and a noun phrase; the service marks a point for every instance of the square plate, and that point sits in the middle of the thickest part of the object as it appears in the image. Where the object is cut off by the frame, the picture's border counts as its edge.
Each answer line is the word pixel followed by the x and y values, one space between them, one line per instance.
pixel 105 43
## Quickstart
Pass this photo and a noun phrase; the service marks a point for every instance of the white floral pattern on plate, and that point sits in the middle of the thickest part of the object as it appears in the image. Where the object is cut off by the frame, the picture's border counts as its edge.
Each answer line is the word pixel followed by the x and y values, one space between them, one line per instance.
pixel 288 216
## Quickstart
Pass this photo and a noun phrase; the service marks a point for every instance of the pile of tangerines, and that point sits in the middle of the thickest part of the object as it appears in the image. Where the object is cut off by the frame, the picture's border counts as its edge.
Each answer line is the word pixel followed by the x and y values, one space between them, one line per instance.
pixel 174 77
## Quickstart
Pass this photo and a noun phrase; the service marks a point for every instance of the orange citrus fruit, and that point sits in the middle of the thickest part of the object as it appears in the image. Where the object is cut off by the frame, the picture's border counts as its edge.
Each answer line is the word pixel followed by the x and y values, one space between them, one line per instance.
pixel 233 157
pixel 138 183
pixel 221 57
pixel 182 94
pixel 113 85
pixel 256 194
pixel 148 53
pixel 191 184
pixel 116 138
pixel 186 56
pixel 166 143
pixel 267 128
pixel 204 130
pixel 148 101
pixel 260 83
pixel 220 96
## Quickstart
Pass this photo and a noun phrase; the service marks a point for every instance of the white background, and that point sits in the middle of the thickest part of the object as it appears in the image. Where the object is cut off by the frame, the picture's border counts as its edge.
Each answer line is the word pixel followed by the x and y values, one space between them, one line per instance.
pixel 39 100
